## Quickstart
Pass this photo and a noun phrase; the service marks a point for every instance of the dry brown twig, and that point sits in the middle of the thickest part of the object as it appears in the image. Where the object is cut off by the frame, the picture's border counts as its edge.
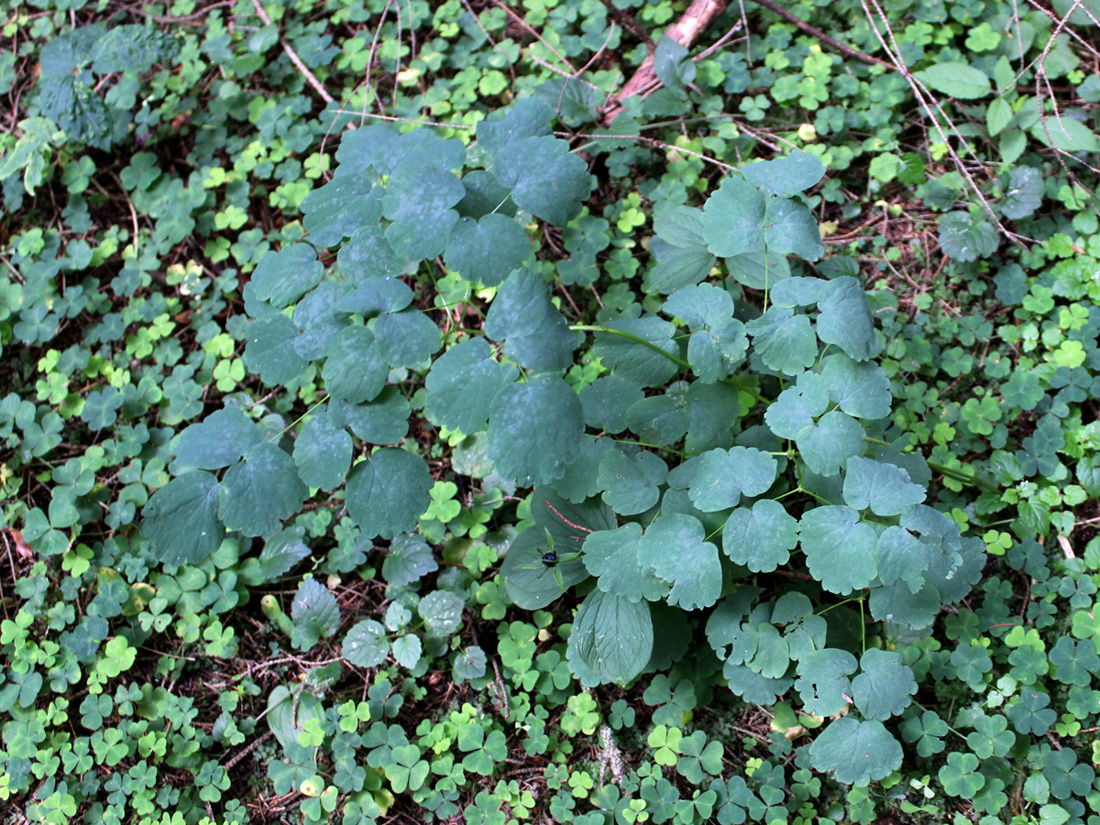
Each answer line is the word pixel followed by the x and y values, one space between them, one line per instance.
pixel 311 79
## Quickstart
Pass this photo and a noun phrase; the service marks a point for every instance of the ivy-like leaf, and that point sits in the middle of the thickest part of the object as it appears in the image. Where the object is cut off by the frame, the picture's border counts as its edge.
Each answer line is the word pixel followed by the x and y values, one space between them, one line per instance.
pixel 261 490
pixel 883 488
pixel 526 118
pixel 884 685
pixel 365 645
pixel 761 538
pixel 631 485
pixel 462 385
pixel 281 278
pixel 181 519
pixel 270 350
pixel 376 295
pixel 965 237
pixel 796 407
pixel 406 339
pixel 315 612
pixel 839 548
pixel 322 452
pixel 536 335
pixel 388 492
pixel 545 178
pixel 409 559
pixel 856 752
pixel 613 636
pixel 786 176
pixel 218 441
pixel 791 228
pixel 488 249
pixel 355 369
pixel 827 446
pixel 535 429
pixel 674 547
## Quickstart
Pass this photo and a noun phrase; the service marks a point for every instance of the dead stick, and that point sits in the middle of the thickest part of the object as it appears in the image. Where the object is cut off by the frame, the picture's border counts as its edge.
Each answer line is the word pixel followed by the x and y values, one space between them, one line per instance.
pixel 311 79
pixel 820 35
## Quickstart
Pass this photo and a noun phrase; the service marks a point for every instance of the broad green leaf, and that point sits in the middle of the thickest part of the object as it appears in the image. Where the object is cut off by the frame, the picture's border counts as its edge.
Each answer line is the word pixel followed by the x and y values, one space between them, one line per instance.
pixel 1066 134
pixel 791 228
pixel 798 292
pixel 796 407
pixel 181 519
pixel 635 351
pixel 530 577
pixel 761 538
pixel 581 478
pixel 365 645
pixel 535 429
pixel 957 80
pixel 406 652
pixel 758 270
pixel 786 176
pixel 1085 13
pixel 784 341
pixel 612 555
pixel 132 47
pixel 385 420
pixel 419 201
pixel 998 116
pixel 883 488
pixel 861 389
pixel 366 147
pixel 545 179
pixel 1023 193
pixel 839 548
pixel 678 267
pixel 388 492
pixel 536 335
pixel 700 306
pixel 903 557
pixel 408 559
pixel 260 490
pixel 734 219
pixel 462 385
pixel 527 118
pixel 322 452
pixel 376 295
pixel 406 339
pixel 884 685
pixel 856 752
pixel 441 611
pixel 355 369
pixel 281 278
pixel 723 476
pixel 754 687
pixel 674 546
pixel 613 636
pixel 317 319
pixel 661 420
pixel 336 210
pixel 680 226
pixel 281 552
pixel 966 238
pixel 827 445
pixel 631 485
pixel 845 318
pixel 484 196
pixel 315 612
pixel 486 250
pixel 823 681
pixel 606 400
pixel 367 255
pixel 671 63
pixel 718 342
pixel 270 349
pixel 220 440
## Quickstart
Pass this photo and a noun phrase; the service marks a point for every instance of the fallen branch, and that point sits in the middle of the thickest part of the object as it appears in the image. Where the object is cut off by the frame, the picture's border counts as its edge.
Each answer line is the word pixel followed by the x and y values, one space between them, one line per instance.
pixel 311 79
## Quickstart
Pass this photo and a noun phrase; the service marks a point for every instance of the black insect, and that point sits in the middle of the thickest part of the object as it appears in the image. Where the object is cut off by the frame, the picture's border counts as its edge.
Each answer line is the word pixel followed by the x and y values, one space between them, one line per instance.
pixel 550 558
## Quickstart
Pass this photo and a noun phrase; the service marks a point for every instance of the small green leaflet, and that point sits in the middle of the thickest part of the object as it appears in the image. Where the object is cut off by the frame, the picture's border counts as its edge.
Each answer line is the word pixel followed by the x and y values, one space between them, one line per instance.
pixel 281 278
pixel 462 385
pixel 674 546
pixel 545 179
pixel 181 519
pixel 631 485
pixel 823 681
pixel 856 752
pixel 883 488
pixel 388 492
pixel 958 80
pixel 884 685
pixel 406 652
pixel 733 218
pixel 635 353
pixel 606 401
pixel 612 555
pixel 723 476
pixel 220 440
pixel 535 429
pixel 839 548
pixel 281 552
pixel 791 228
pixel 322 452
pixel 260 491
pixel 385 420
pixel 613 636
pixel 786 176
pixel 365 645
pixel 718 342
pixel 761 538
pixel 784 341
pixel 529 117
pixel 368 255
pixel 409 559
pixel 486 250
pixel 536 335
pixel 315 612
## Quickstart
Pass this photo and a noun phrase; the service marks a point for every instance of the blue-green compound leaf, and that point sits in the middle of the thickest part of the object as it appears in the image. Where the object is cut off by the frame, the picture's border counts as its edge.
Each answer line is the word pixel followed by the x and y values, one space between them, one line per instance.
pixel 407 338
pixel 785 342
pixel 385 420
pixel 733 219
pixel 965 237
pixel 827 445
pixel 418 200
pixel 796 407
pixel 536 335
pixel 883 488
pixel 723 476
pixel 856 752
pixel 281 278
pixel 823 680
pixel 674 547
pixel 631 485
pixel 839 548
pixel 761 538
pixel 220 440
pixel 860 388
pixel 845 318
pixel 368 255
pixel 791 228
pixel 787 176
pixel 528 117
pixel 606 401
pixel 884 686
pixel 260 491
pixel 677 267
pixel 388 492
pixel 281 552
pixel 612 555
pixel 340 207
pixel 718 341
pixel 376 295
pixel 181 519
pixel 486 250
pixel 462 385
pixel 270 349
pixel 544 177
pixel 529 577
pixel 315 612
pixel 355 369
pixel 581 478
pixel 365 645
pixel 441 611
pixel 322 452
pixel 408 560
pixel 638 351
pixel 613 636
pixel 959 80
pixel 535 429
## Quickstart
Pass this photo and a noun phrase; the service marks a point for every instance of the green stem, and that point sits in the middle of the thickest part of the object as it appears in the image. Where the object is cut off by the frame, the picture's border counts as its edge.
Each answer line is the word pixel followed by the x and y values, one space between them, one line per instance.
pixel 943 470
